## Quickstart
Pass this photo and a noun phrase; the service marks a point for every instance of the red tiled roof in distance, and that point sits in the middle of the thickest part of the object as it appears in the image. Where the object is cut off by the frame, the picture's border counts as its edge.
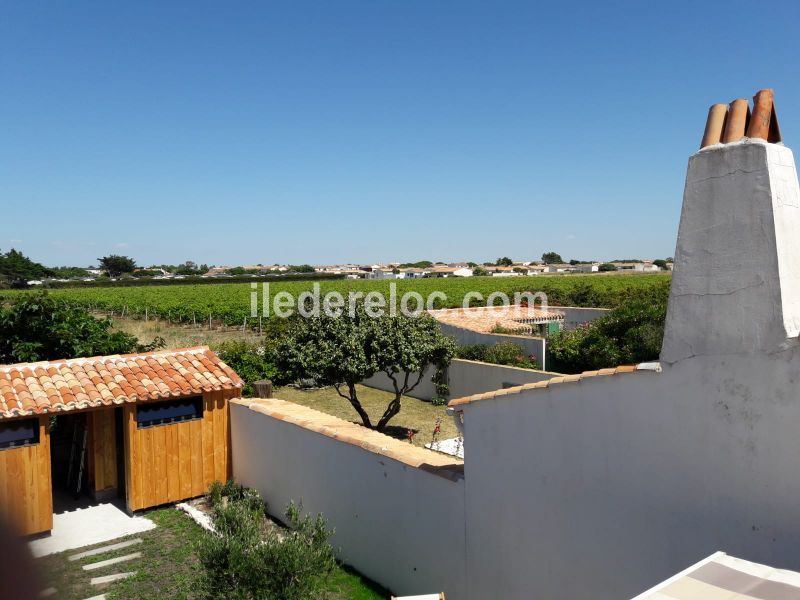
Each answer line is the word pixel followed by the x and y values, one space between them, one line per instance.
pixel 79 383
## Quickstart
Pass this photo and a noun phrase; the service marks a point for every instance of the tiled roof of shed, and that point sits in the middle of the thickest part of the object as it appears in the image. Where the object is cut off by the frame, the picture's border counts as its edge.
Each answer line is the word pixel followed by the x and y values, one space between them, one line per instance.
pixel 79 383
pixel 652 367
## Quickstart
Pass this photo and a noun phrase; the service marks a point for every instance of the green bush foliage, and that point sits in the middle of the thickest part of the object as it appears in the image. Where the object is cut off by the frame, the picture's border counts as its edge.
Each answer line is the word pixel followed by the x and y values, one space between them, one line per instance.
pixel 251 362
pixel 502 353
pixel 251 558
pixel 39 327
pixel 631 333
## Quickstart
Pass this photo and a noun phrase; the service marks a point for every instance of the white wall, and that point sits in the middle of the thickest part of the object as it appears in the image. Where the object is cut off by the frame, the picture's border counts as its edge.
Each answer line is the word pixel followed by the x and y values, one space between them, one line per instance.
pixel 615 483
pixel 531 345
pixel 576 315
pixel 397 524
pixel 467 377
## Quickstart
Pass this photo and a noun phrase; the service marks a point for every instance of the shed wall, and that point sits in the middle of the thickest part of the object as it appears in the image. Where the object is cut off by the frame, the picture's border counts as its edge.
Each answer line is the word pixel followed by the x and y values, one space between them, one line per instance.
pixel 26 498
pixel 169 463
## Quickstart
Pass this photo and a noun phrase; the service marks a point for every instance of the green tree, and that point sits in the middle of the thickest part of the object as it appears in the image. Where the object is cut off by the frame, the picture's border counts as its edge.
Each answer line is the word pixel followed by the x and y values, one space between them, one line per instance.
pixel 504 262
pixel 146 273
pixel 552 258
pixel 115 265
pixel 660 263
pixel 343 351
pixel 301 269
pixel 421 264
pixel 16 269
pixel 479 272
pixel 606 267
pixel 70 272
pixel 38 327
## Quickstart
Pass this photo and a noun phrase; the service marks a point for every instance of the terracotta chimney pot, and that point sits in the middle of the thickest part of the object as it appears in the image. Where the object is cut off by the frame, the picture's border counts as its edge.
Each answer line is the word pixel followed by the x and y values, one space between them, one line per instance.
pixel 763 103
pixel 715 124
pixel 736 125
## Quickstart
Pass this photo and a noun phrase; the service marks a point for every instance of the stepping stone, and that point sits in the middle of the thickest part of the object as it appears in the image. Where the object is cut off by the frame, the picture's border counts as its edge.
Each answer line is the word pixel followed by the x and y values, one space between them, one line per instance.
pixel 111 561
pixel 111 578
pixel 104 549
pixel 48 592
pixel 98 597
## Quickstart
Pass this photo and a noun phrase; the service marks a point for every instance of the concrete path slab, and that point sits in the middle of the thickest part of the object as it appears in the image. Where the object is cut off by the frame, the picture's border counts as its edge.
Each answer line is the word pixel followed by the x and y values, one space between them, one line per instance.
pixel 111 578
pixel 98 597
pixel 111 561
pixel 88 525
pixel 104 549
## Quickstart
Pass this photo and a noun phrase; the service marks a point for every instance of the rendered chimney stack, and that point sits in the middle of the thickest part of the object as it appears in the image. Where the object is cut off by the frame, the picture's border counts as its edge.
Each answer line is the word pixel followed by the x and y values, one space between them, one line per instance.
pixel 730 124
pixel 736 280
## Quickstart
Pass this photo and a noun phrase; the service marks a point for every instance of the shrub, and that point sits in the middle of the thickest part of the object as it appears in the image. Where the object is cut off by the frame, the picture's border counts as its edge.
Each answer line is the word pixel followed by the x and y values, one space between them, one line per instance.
pixel 502 353
pixel 631 333
pixel 252 362
pixel 249 559
pixel 39 327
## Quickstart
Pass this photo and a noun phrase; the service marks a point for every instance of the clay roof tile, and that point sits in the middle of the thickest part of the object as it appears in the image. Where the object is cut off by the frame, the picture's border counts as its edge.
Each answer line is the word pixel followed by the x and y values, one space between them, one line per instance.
pixel 53 386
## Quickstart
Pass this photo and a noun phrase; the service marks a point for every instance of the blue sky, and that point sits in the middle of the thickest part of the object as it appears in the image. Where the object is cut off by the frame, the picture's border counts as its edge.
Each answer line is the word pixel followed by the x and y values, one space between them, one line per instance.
pixel 335 131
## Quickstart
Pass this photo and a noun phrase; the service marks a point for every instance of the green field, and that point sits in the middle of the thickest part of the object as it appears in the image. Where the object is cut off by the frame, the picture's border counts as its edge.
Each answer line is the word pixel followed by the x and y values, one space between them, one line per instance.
pixel 229 303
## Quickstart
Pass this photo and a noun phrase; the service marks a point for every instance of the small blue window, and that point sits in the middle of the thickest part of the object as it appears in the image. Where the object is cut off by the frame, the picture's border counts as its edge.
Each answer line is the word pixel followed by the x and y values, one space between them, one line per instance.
pixel 171 411
pixel 24 432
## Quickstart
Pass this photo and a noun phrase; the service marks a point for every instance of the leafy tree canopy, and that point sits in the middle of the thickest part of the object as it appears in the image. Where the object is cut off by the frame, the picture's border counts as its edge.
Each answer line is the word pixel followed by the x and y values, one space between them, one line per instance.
pixel 504 262
pixel 421 264
pixel 70 272
pixel 552 258
pixel 660 263
pixel 116 265
pixel 607 267
pixel 188 268
pixel 301 268
pixel 16 269
pixel 38 327
pixel 343 351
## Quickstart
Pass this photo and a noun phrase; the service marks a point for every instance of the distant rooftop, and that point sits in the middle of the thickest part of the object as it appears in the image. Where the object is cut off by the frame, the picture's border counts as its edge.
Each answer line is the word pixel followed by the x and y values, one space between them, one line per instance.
pixel 485 319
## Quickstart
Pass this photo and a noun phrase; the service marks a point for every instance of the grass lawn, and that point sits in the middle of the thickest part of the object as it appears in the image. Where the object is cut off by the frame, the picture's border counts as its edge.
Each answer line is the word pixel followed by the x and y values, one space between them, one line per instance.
pixel 415 414
pixel 168 567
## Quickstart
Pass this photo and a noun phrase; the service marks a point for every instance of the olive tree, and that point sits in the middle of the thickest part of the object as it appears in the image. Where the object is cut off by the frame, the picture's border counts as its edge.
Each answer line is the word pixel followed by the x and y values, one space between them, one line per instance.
pixel 343 351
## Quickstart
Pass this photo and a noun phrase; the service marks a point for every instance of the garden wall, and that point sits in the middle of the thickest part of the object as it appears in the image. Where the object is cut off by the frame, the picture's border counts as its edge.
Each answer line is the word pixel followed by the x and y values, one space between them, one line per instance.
pixel 467 377
pixel 575 315
pixel 531 345
pixel 398 509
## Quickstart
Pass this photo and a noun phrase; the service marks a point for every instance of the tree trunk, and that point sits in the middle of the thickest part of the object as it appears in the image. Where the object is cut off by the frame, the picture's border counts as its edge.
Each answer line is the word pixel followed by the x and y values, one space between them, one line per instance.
pixel 357 406
pixel 391 411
